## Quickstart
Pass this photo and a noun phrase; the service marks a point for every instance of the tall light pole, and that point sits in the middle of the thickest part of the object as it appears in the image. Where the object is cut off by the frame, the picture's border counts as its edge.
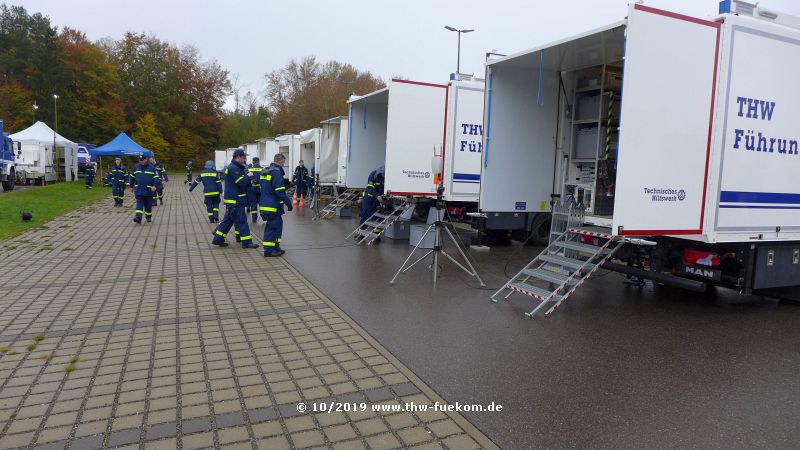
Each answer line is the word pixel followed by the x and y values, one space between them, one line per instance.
pixel 55 132
pixel 35 107
pixel 460 32
pixel 55 108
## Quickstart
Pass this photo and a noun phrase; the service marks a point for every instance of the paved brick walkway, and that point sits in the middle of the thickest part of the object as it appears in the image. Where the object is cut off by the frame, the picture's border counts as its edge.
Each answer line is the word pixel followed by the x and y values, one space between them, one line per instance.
pixel 144 336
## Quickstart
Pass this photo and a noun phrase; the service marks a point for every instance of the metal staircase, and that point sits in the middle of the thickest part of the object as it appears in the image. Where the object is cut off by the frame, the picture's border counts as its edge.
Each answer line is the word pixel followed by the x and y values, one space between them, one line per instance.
pixel 575 253
pixel 344 200
pixel 376 225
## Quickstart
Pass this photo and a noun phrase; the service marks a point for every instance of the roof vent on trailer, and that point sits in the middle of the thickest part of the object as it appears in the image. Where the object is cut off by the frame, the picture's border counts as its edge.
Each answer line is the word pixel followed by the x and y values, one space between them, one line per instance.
pixel 742 8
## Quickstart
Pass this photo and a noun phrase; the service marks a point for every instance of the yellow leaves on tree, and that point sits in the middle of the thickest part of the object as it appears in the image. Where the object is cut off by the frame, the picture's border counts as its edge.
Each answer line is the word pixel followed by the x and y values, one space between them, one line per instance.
pixel 148 136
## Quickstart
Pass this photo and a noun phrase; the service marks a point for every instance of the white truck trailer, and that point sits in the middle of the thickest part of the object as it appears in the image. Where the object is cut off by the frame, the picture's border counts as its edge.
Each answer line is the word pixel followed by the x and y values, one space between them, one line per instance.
pixel 289 146
pixel 679 137
pixel 309 148
pixel 35 164
pixel 405 125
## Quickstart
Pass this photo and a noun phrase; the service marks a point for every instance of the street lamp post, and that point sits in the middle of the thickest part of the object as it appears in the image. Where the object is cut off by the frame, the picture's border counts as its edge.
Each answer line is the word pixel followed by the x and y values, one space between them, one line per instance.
pixel 55 132
pixel 55 108
pixel 458 61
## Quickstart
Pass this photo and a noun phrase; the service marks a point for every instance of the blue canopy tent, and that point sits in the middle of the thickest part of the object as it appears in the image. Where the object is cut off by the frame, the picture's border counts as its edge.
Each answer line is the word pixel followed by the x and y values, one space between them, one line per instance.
pixel 121 145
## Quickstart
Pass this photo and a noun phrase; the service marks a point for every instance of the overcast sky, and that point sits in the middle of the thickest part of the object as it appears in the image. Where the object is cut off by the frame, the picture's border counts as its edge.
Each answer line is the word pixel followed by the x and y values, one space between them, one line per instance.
pixel 405 38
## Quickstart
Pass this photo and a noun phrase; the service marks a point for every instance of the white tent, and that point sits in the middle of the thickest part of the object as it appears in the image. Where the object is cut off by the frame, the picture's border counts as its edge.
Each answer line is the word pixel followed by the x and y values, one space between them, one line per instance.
pixel 66 151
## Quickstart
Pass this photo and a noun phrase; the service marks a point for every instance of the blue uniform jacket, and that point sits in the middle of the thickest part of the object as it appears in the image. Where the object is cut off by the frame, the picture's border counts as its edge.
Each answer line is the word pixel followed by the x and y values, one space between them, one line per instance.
pixel 273 192
pixel 256 169
pixel 162 172
pixel 143 179
pixel 119 175
pixel 236 182
pixel 374 184
pixel 212 183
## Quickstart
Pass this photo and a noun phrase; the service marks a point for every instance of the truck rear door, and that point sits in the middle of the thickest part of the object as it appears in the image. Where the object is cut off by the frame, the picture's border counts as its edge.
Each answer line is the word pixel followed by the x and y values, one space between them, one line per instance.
pixel 415 129
pixel 666 121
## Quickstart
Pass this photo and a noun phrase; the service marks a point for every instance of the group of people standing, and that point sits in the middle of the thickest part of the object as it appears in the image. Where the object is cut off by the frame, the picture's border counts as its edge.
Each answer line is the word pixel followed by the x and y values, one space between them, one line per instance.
pixel 146 179
pixel 253 189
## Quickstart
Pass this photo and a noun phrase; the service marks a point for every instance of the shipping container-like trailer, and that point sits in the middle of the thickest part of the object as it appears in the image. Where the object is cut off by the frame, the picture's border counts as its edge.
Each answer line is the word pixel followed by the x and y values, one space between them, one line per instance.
pixel 677 135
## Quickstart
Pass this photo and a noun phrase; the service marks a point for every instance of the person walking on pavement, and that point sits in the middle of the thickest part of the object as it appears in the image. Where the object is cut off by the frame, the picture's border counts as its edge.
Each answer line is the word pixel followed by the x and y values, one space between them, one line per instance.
pixel 212 188
pixel 145 182
pixel 373 195
pixel 254 190
pixel 273 197
pixel 237 179
pixel 188 172
pixel 300 181
pixel 119 178
pixel 162 174
pixel 88 173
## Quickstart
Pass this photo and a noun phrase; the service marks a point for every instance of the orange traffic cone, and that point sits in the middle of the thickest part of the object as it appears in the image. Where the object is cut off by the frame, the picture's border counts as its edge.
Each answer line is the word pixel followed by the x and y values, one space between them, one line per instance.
pixel 302 202
pixel 294 199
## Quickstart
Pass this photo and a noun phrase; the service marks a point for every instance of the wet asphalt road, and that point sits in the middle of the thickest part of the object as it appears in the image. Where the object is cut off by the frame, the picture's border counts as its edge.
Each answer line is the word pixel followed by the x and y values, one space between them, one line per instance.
pixel 616 366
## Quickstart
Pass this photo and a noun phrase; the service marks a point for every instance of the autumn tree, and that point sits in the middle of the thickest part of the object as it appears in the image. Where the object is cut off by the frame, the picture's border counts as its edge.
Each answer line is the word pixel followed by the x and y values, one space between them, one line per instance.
pixel 30 57
pixel 148 136
pixel 172 84
pixel 305 92
pixel 95 111
pixel 247 122
pixel 15 106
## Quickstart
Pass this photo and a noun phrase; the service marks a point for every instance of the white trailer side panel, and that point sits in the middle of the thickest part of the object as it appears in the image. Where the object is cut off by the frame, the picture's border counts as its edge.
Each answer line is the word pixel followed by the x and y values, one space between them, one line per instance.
pixel 665 123
pixel 464 141
pixel 759 162
pixel 328 162
pixel 416 123
pixel 519 138
pixel 342 167
pixel 220 159
pixel 367 146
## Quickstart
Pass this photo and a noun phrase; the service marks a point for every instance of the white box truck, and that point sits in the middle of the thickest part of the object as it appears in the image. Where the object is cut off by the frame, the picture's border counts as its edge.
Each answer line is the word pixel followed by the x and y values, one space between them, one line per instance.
pixel 405 125
pixel 673 129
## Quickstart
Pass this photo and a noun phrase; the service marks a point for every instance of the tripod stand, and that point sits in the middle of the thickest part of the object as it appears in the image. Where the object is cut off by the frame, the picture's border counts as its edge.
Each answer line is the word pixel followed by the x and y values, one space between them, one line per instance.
pixel 436 227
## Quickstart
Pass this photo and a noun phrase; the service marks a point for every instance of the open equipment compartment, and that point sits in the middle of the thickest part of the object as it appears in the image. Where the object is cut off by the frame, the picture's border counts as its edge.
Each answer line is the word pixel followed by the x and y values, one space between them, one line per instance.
pixel 366 147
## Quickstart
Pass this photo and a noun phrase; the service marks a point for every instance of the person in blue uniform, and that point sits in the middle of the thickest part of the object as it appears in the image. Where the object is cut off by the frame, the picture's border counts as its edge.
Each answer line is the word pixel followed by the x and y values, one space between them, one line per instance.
pixel 162 174
pixel 237 180
pixel 254 190
pixel 373 195
pixel 144 181
pixel 188 172
pixel 212 188
pixel 88 174
pixel 273 198
pixel 119 178
pixel 301 182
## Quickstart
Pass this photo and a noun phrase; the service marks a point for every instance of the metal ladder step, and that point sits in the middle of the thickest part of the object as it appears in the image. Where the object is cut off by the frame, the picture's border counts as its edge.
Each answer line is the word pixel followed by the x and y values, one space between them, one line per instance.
pixel 549 276
pixel 572 263
pixel 577 246
pixel 531 290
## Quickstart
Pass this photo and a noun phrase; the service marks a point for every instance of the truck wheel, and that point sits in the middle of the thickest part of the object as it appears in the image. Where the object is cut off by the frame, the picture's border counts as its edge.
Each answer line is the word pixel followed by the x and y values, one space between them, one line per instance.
pixel 9 183
pixel 540 231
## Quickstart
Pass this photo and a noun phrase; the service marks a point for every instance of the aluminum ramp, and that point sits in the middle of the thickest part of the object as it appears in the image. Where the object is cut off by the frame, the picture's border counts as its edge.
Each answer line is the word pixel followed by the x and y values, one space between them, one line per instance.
pixel 344 200
pixel 377 224
pixel 573 256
